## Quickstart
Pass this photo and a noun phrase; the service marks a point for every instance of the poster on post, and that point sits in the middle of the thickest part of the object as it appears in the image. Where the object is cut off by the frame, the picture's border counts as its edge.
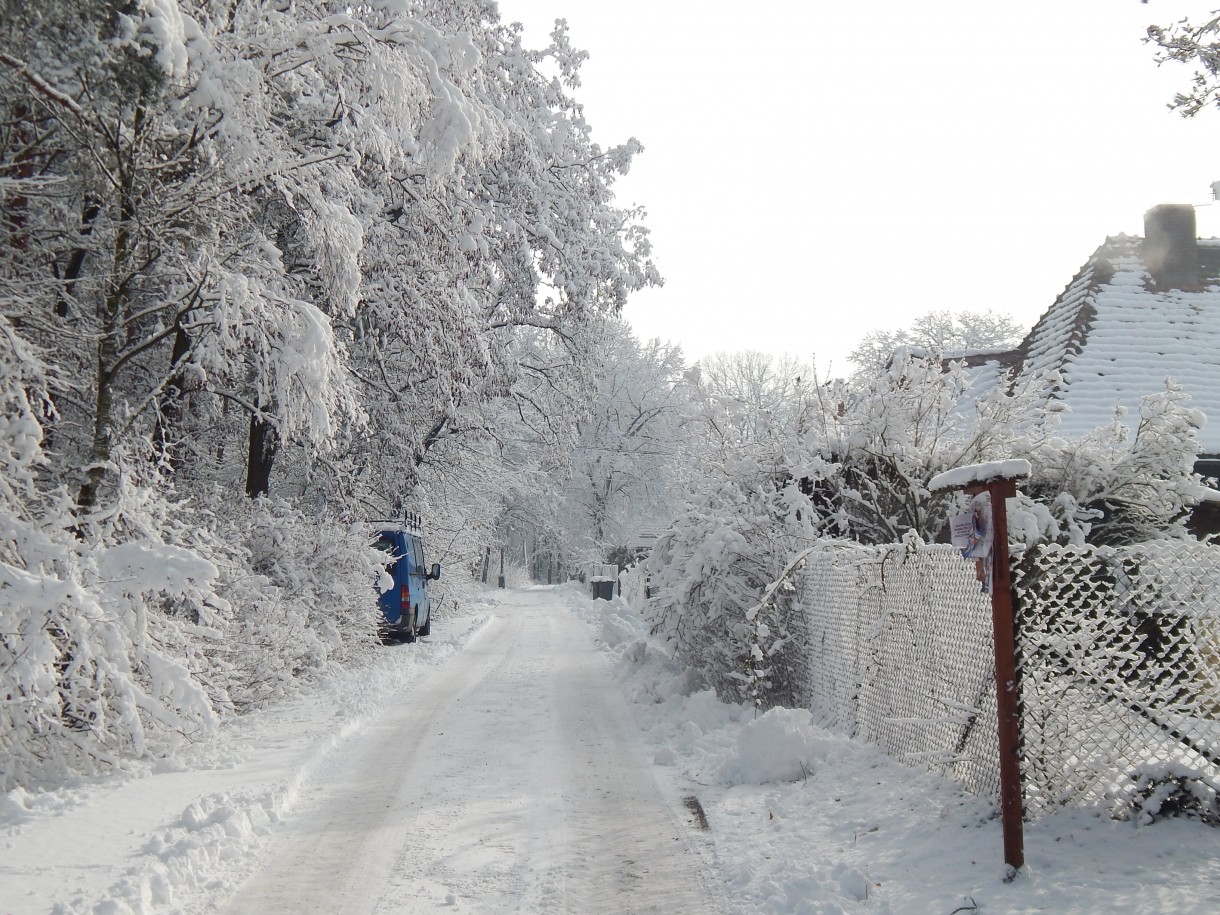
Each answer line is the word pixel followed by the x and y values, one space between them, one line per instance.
pixel 961 530
pixel 972 532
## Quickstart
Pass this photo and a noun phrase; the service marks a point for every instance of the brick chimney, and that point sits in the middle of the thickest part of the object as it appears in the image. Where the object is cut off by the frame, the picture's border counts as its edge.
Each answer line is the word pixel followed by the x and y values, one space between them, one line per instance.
pixel 1171 246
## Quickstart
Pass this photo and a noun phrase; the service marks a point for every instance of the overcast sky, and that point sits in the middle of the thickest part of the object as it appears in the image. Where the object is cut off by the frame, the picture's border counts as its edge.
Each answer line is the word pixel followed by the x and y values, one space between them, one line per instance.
pixel 815 170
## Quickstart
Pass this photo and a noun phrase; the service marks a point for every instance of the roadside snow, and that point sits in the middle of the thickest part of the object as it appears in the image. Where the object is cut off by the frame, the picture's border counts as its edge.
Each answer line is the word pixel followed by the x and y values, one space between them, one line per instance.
pixel 183 832
pixel 807 822
pixel 799 820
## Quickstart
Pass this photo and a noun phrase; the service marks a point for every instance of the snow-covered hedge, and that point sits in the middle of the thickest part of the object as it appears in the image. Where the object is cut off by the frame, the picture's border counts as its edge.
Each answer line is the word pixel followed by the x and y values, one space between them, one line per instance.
pixel 857 465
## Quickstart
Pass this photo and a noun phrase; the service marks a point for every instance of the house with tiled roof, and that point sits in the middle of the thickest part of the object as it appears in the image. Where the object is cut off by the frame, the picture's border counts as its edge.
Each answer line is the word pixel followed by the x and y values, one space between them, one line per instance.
pixel 1139 311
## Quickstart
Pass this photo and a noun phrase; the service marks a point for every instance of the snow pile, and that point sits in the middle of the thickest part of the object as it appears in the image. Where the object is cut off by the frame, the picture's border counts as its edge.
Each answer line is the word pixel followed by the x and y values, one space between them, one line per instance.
pixel 183 857
pixel 777 747
pixel 722 743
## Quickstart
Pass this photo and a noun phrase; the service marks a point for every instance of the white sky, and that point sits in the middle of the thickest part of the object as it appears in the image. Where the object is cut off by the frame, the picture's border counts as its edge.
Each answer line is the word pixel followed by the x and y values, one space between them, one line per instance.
pixel 814 170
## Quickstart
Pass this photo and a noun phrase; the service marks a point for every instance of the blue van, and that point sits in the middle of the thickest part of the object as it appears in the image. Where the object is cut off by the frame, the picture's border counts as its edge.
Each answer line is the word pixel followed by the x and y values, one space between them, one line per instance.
pixel 406 608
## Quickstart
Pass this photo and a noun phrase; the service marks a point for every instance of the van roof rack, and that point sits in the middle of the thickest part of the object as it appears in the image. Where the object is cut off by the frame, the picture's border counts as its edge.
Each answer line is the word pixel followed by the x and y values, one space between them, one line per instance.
pixel 412 521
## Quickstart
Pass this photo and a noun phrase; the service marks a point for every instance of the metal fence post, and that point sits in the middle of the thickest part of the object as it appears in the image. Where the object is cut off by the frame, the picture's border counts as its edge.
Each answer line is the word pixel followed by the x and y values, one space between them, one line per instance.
pixel 998 480
pixel 1007 683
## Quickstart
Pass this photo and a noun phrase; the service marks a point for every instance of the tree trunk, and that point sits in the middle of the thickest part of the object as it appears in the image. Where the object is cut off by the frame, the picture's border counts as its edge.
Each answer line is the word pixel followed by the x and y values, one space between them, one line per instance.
pixel 76 261
pixel 169 407
pixel 103 405
pixel 110 320
pixel 264 442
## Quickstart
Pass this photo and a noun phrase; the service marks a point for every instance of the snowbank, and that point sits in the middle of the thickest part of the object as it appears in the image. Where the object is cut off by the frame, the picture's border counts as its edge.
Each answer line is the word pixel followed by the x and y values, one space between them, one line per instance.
pixel 860 833
pixel 188 831
pixel 779 746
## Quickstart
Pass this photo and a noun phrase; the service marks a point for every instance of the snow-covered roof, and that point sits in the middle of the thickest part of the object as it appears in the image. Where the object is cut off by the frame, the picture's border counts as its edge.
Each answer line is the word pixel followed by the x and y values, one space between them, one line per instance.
pixel 984 369
pixel 1115 335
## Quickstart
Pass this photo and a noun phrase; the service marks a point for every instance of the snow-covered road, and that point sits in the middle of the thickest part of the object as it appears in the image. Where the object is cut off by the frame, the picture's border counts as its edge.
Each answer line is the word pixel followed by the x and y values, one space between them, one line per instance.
pixel 530 772
pixel 509 780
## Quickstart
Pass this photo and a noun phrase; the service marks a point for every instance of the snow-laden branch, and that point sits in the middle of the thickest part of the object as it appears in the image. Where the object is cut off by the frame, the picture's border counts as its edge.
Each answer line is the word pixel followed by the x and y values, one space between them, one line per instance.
pixel 43 87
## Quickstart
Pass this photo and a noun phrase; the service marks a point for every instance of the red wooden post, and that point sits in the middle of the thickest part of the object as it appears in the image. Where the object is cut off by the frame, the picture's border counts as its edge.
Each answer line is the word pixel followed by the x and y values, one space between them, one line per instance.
pixel 1006 676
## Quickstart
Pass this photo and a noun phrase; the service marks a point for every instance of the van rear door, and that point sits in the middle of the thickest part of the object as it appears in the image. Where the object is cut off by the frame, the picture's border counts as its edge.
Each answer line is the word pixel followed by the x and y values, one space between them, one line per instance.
pixel 390 601
pixel 419 582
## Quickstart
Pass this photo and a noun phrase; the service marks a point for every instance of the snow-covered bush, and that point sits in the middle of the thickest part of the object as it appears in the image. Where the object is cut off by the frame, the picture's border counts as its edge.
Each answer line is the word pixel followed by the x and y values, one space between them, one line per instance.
pixel 709 574
pixel 97 664
pixel 123 646
pixel 1171 790
pixel 891 435
pixel 921 417
pixel 1107 489
pixel 301 597
pixel 856 463
pixel 127 632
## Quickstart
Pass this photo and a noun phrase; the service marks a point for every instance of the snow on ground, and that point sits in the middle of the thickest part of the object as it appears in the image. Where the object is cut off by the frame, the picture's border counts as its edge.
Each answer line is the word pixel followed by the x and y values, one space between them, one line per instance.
pixel 511 780
pixel 185 831
pixel 799 820
pixel 844 829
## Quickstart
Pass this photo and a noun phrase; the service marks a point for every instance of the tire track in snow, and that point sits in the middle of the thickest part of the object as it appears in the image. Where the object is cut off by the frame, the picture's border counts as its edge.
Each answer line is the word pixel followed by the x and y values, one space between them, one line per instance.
pixel 511 781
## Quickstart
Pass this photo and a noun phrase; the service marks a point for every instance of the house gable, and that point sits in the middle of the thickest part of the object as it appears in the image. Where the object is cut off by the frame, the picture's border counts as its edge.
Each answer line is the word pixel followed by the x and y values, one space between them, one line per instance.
pixel 1124 325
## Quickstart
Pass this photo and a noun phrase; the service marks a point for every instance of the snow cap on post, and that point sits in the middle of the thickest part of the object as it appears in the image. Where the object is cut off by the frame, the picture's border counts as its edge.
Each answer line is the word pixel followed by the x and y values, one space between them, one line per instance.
pixel 973 474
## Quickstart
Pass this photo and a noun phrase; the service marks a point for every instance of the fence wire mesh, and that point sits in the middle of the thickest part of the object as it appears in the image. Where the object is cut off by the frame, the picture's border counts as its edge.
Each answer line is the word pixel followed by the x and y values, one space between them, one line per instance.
pixel 1119 652
pixel 899 653
pixel 1118 661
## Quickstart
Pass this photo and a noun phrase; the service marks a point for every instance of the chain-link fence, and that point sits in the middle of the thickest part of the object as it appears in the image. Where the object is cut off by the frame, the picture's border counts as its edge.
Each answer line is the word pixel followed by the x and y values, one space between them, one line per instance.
pixel 899 653
pixel 1120 671
pixel 1119 658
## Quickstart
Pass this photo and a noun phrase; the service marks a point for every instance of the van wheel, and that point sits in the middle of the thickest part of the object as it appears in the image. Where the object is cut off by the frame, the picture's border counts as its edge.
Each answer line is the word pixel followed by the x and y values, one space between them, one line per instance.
pixel 426 629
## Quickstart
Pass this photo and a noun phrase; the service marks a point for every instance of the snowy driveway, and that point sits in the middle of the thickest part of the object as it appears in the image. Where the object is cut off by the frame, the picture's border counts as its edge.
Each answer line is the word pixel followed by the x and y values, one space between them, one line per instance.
pixel 512 781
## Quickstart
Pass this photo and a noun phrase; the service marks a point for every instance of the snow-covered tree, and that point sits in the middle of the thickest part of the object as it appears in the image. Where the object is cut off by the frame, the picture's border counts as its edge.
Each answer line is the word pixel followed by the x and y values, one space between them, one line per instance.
pixel 943 331
pixel 624 476
pixel 1196 44
pixel 755 392
pixel 342 258
pixel 152 274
